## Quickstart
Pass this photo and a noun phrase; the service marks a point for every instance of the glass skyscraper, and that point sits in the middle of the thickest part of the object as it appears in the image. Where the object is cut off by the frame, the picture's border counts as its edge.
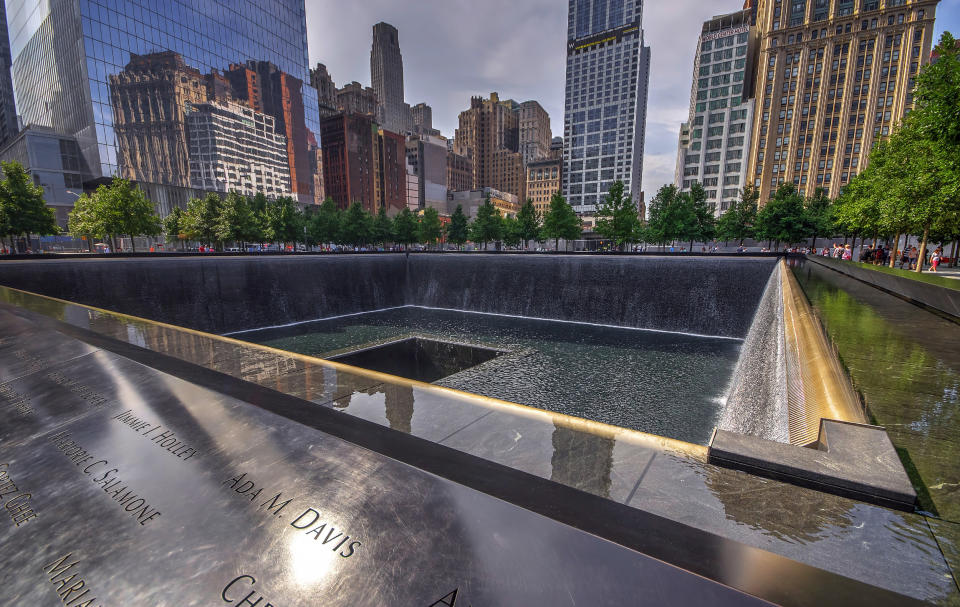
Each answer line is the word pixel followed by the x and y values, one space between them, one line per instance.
pixel 605 109
pixel 122 77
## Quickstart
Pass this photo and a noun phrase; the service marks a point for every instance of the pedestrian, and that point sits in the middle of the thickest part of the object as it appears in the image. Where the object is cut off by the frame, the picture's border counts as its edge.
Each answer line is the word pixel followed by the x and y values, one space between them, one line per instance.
pixel 847 254
pixel 935 260
pixel 912 258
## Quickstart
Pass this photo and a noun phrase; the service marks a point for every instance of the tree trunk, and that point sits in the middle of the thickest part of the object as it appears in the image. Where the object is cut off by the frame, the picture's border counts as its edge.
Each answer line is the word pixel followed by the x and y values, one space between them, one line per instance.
pixel 893 253
pixel 556 245
pixel 953 255
pixel 923 249
pixel 133 245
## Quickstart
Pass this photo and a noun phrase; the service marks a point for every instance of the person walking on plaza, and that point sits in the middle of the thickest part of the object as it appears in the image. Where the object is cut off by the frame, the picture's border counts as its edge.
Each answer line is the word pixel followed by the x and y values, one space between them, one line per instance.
pixel 913 258
pixel 847 254
pixel 935 260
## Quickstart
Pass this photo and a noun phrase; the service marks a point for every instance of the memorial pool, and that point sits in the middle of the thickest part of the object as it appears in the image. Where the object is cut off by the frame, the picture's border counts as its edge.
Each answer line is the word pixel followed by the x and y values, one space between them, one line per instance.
pixel 665 383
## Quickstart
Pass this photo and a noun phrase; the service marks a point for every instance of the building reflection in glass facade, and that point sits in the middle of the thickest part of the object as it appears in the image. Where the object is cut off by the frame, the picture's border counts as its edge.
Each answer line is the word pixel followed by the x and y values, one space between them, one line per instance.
pixel 122 77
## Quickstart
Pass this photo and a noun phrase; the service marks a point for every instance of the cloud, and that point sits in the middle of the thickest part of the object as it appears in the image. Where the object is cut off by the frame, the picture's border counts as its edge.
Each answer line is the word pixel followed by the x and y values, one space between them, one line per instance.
pixel 454 49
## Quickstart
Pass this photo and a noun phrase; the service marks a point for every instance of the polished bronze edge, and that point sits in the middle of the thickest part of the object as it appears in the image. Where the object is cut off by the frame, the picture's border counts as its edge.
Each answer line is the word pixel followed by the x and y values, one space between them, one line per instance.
pixel 819 386
pixel 596 428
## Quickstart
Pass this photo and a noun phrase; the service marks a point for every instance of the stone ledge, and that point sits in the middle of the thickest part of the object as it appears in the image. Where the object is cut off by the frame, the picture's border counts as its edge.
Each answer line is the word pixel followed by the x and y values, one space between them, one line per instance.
pixel 849 459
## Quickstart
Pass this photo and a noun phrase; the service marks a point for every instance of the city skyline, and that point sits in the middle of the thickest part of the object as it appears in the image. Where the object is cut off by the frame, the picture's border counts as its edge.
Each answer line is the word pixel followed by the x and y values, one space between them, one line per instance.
pixel 502 52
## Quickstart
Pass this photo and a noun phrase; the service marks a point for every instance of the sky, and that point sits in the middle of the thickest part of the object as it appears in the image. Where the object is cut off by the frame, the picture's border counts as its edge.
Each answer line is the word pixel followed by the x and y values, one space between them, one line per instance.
pixel 455 49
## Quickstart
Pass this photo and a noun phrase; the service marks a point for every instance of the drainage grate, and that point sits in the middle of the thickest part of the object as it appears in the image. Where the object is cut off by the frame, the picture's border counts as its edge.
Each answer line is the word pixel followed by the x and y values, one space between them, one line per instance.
pixel 425 360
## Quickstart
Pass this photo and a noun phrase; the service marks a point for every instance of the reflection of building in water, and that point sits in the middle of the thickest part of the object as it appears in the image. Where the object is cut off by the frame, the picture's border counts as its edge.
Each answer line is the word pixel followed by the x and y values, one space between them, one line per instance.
pixel 149 99
pixel 398 400
pixel 582 460
pixel 234 148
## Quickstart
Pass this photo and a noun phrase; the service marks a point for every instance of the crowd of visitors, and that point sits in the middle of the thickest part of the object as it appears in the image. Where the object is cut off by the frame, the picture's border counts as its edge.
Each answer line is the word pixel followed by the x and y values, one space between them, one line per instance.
pixel 879 255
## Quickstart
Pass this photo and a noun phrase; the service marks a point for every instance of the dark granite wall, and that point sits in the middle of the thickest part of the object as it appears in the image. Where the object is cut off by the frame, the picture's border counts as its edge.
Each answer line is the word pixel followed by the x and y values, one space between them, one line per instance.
pixel 711 296
pixel 706 295
pixel 219 294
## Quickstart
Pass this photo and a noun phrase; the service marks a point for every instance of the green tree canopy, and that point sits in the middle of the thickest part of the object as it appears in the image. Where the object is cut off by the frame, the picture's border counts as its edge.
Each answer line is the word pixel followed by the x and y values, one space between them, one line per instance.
pixel 738 221
pixel 528 223
pixel 617 218
pixel 782 218
pixel 236 222
pixel 382 230
pixel 324 225
pixel 818 213
pixel 488 225
pixel 458 232
pixel 284 221
pixel 22 206
pixel 201 218
pixel 560 221
pixel 511 232
pixel 702 227
pixel 430 230
pixel 405 228
pixel 172 225
pixel 85 220
pixel 356 227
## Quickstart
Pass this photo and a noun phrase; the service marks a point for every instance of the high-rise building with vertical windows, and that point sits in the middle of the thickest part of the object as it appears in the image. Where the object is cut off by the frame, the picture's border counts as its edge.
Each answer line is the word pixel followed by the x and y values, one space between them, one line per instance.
pixel 8 108
pixel 116 77
pixel 832 79
pixel 715 139
pixel 386 79
pixel 605 108
pixel 535 136
pixel 489 135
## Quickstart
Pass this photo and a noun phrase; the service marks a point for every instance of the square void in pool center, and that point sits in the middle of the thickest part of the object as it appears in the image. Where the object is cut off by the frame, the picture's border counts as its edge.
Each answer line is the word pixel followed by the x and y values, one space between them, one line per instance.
pixel 418 358
pixel 671 384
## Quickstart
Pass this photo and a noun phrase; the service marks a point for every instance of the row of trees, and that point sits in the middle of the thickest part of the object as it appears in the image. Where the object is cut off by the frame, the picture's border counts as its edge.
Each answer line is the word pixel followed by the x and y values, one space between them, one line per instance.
pixel 23 211
pixel 912 183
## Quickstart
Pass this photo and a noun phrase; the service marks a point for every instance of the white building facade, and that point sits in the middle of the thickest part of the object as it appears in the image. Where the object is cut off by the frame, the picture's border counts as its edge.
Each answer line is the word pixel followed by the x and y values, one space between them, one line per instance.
pixel 714 142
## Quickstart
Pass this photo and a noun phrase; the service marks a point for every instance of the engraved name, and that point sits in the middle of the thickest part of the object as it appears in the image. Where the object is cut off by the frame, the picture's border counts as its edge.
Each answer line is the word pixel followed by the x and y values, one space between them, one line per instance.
pixel 84 392
pixel 18 401
pixel 15 501
pixel 235 588
pixel 164 438
pixel 72 589
pixel 106 478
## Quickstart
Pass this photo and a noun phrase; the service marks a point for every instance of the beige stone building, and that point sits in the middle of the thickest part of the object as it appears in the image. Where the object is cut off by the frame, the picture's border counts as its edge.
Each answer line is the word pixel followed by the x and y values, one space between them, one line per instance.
pixel 489 137
pixel 535 135
pixel 544 179
pixel 832 77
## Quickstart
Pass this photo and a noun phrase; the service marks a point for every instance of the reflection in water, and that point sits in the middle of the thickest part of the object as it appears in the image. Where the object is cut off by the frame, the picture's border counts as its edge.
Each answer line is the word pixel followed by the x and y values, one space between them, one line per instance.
pixel 582 460
pixel 777 509
pixel 904 362
pixel 399 406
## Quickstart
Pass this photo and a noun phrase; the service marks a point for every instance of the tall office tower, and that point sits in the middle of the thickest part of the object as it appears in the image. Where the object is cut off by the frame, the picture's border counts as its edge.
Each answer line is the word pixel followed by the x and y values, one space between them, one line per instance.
pixel 386 79
pixel 422 115
pixel 353 98
pixel 8 107
pixel 66 53
pixel 535 136
pixel 716 136
pixel 321 80
pixel 605 109
pixel 489 136
pixel 833 78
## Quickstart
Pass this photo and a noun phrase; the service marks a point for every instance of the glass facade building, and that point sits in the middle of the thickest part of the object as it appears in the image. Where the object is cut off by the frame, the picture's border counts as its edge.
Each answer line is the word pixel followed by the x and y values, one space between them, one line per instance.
pixel 715 140
pixel 605 107
pixel 121 77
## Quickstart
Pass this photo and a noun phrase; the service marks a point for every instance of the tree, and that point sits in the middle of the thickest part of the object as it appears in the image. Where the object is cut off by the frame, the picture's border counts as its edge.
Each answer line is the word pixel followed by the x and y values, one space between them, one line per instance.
pixel 560 221
pixel 703 222
pixel 236 222
pixel 488 225
pixel 324 225
pixel 284 221
pixel 528 223
pixel 382 230
pixel 24 210
pixel 511 232
pixel 132 211
pixel 200 220
pixel 430 230
pixel 84 220
pixel 659 229
pixel 818 213
pixel 782 218
pixel 357 226
pixel 405 227
pixel 618 218
pixel 737 223
pixel 172 225
pixel 458 231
